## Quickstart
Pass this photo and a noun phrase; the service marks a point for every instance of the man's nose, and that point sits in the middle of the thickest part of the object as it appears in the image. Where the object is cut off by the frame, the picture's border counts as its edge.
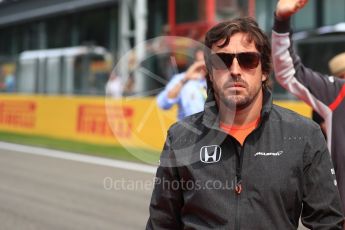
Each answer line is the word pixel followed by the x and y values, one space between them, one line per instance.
pixel 235 68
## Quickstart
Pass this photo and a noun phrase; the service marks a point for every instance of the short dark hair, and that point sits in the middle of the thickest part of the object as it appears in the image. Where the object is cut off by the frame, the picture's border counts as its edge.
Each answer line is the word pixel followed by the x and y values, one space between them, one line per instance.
pixel 247 25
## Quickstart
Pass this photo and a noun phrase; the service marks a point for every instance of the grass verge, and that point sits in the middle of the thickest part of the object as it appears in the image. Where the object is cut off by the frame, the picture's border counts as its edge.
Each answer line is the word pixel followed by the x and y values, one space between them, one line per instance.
pixel 108 151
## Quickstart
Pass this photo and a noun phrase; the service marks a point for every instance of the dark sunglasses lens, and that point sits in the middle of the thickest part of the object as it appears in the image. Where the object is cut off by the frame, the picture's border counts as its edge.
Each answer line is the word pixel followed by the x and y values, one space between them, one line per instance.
pixel 221 61
pixel 248 60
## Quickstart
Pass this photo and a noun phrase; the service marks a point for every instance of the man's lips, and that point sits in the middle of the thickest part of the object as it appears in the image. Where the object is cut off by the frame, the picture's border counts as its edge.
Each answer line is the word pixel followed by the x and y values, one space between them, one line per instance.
pixel 235 85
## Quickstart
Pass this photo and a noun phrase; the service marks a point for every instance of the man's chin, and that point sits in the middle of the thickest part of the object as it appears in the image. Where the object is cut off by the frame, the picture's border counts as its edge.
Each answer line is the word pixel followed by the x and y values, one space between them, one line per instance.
pixel 234 101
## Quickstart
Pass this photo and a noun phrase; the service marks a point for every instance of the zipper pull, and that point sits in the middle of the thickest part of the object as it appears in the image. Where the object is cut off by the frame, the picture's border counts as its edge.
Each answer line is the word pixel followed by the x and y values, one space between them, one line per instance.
pixel 238 188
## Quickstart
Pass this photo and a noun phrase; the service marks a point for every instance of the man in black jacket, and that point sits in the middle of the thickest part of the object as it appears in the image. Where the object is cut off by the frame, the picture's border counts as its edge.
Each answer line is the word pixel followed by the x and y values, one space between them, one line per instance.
pixel 325 94
pixel 243 163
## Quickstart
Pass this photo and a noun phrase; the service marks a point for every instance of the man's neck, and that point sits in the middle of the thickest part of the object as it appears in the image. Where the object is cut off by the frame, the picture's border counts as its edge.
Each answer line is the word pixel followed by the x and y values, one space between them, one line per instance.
pixel 242 116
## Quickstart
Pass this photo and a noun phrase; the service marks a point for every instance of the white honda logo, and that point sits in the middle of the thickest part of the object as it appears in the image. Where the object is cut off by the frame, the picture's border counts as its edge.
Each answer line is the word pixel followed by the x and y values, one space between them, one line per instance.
pixel 210 154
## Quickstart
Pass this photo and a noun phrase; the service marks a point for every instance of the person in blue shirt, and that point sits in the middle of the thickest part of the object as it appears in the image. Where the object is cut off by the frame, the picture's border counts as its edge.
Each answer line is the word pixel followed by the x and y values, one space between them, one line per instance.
pixel 187 89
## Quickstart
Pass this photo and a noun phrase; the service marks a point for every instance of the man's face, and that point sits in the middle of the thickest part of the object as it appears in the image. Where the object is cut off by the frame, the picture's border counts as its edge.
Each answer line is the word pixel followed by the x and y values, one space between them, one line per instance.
pixel 236 85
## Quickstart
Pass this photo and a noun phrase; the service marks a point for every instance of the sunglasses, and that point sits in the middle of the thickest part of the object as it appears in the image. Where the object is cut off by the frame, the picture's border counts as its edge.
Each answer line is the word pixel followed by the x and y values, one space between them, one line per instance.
pixel 246 60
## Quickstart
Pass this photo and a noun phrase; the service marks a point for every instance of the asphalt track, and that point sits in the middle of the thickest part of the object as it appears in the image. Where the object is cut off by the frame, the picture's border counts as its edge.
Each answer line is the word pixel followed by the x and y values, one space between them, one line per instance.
pixel 41 192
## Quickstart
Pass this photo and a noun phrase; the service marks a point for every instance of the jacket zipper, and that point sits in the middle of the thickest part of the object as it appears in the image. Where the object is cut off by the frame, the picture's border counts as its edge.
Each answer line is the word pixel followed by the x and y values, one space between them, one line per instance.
pixel 239 160
pixel 238 186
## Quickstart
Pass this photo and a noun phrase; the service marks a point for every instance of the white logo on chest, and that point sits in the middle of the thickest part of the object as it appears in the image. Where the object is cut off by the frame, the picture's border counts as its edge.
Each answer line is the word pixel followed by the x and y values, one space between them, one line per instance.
pixel 268 154
pixel 210 154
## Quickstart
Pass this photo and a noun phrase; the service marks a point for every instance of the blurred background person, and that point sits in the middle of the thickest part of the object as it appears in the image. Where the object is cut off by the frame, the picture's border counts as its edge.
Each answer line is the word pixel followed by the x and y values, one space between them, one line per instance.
pixel 114 86
pixel 8 85
pixel 2 79
pixel 337 65
pixel 187 90
pixel 128 89
pixel 325 94
pixel 163 45
pixel 337 69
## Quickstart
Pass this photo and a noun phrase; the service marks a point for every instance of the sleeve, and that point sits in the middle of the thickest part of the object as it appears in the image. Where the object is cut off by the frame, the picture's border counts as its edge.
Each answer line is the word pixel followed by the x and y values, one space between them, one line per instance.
pixel 166 202
pixel 162 99
pixel 321 201
pixel 316 89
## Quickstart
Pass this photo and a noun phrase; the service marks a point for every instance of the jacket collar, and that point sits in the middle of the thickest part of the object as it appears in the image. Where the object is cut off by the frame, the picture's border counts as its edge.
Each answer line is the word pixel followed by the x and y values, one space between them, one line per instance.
pixel 211 115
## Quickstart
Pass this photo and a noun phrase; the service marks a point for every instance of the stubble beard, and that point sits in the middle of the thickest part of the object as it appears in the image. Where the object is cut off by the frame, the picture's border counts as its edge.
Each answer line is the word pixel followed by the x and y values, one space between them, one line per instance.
pixel 239 101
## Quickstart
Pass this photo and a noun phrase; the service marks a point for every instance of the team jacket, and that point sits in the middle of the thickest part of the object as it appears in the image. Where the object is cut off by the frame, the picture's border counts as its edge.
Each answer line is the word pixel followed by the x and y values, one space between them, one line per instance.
pixel 207 180
pixel 325 94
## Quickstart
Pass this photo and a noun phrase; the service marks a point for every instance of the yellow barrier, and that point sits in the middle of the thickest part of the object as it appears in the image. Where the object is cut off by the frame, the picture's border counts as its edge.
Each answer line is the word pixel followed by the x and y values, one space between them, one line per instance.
pixel 297 106
pixel 130 122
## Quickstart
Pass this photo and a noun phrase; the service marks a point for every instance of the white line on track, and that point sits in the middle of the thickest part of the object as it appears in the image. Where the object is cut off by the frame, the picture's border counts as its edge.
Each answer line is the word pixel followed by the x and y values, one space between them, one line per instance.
pixel 78 157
